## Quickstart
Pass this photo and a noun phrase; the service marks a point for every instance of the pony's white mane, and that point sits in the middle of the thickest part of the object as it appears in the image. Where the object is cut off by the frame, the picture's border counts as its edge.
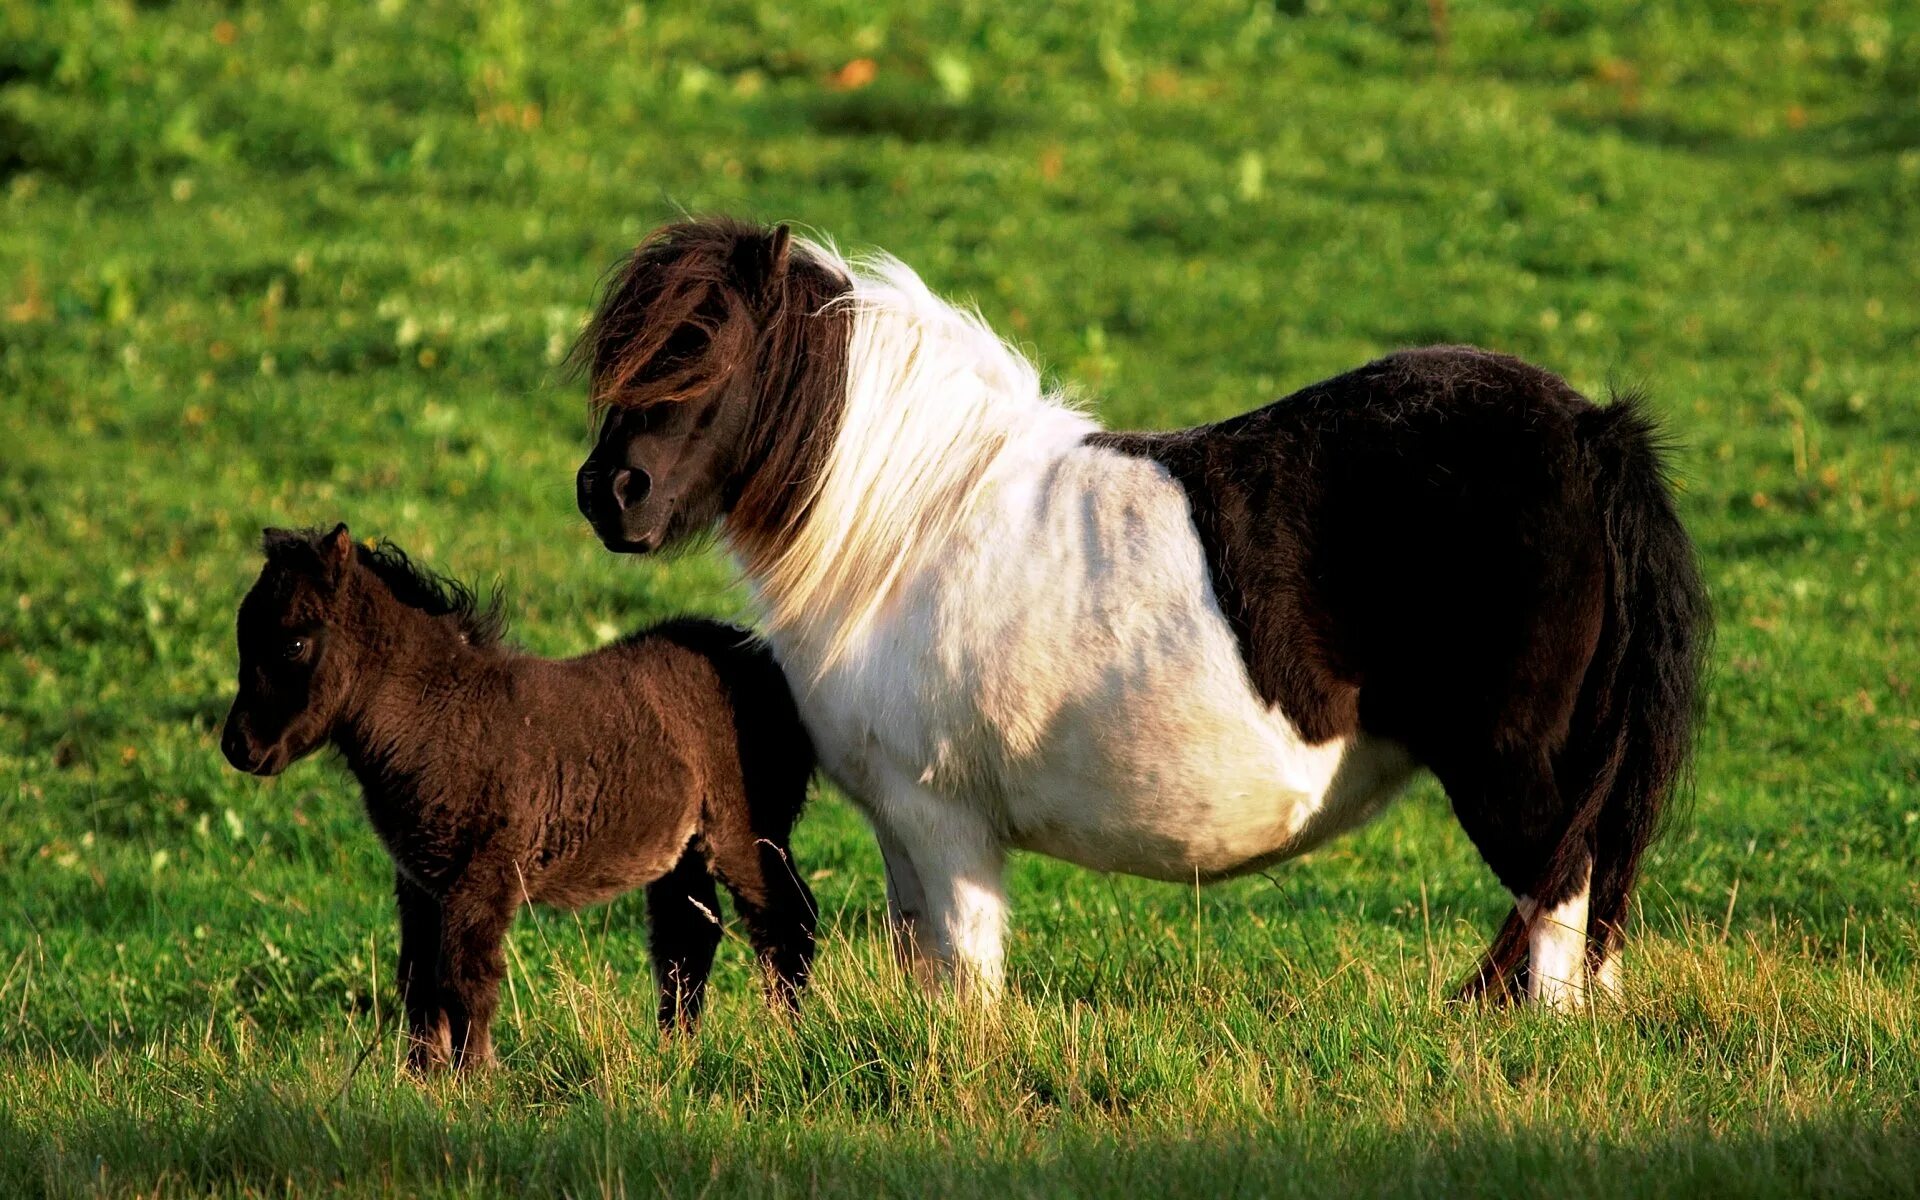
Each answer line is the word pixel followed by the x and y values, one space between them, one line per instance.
pixel 933 398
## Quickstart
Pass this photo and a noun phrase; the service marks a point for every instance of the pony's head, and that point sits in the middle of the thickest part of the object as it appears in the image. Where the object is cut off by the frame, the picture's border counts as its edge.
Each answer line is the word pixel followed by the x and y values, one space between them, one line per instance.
pixel 325 616
pixel 713 366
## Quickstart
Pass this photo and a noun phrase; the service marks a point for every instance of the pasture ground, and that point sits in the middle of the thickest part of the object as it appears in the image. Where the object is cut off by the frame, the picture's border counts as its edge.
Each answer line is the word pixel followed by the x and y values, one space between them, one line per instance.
pixel 290 264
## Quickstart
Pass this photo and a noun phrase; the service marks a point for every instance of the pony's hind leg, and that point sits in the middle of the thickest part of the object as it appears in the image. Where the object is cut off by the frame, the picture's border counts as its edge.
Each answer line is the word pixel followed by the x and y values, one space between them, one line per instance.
pixel 1513 810
pixel 1557 945
pixel 1617 848
pixel 775 905
pixel 683 931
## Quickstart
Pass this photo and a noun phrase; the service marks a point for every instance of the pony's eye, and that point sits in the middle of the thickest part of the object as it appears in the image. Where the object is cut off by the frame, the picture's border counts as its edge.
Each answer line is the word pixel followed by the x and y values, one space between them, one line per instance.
pixel 294 648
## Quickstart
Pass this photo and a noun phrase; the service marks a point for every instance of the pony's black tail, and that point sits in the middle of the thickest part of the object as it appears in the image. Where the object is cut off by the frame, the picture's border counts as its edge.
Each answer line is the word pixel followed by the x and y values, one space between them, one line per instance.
pixel 1647 677
pixel 1639 699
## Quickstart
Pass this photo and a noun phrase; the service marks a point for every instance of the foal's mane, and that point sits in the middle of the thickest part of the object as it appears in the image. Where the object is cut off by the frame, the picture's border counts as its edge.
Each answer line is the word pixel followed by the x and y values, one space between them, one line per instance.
pixel 482 621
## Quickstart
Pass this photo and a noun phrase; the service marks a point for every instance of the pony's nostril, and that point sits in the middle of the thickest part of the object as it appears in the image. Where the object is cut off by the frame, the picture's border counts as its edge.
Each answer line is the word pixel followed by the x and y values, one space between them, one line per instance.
pixel 234 746
pixel 630 487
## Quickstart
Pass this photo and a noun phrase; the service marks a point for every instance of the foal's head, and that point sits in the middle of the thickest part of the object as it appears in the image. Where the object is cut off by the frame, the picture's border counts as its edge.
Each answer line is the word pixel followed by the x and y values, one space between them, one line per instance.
pixel 714 369
pixel 325 617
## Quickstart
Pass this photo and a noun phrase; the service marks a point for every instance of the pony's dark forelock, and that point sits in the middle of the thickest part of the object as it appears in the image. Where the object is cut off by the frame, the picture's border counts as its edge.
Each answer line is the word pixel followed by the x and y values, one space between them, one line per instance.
pixel 674 320
pixel 718 306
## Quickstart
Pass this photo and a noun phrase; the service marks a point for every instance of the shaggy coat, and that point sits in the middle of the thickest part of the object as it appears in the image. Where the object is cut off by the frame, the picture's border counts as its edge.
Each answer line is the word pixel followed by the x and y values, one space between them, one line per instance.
pixel 1183 655
pixel 667 760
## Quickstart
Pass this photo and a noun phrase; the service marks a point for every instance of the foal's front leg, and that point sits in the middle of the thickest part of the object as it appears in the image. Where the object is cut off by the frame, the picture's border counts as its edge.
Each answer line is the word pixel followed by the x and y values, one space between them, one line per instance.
pixel 475 917
pixel 429 1045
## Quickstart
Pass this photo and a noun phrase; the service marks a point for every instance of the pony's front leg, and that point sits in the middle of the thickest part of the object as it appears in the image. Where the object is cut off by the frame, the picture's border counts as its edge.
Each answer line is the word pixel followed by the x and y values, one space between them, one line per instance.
pixel 945 894
pixel 907 923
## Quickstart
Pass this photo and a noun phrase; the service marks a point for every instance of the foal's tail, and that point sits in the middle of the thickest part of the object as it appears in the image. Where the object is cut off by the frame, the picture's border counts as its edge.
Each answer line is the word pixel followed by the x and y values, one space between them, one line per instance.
pixel 1641 695
pixel 1646 681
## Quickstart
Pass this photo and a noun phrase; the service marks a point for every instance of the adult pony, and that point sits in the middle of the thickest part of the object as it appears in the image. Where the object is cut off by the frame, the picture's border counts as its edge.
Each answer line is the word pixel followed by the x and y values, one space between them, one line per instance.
pixel 1181 655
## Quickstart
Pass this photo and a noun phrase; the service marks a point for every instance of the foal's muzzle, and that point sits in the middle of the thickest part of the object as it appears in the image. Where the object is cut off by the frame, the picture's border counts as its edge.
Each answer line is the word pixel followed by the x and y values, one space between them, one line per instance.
pixel 240 752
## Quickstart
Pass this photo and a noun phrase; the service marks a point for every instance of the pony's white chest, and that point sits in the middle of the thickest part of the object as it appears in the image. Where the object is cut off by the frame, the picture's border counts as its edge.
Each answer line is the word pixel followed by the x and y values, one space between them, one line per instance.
pixel 1063 670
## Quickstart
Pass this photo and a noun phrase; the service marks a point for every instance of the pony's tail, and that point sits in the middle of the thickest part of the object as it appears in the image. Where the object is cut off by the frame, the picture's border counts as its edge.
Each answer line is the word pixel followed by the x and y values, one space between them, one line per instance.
pixel 1640 698
pixel 1653 655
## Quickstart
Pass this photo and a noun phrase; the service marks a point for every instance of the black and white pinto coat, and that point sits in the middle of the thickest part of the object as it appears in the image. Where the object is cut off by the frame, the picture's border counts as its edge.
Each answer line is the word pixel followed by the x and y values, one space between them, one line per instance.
pixel 1193 654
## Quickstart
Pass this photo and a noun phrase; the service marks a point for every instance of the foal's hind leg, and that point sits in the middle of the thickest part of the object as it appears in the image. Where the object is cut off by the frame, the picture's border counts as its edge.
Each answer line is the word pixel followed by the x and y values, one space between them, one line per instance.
pixel 684 928
pixel 774 904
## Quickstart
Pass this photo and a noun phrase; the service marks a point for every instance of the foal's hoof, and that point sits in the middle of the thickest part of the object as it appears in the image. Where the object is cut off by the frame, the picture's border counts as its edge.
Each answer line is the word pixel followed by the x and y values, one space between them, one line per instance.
pixel 422 1062
pixel 476 1056
pixel 429 1049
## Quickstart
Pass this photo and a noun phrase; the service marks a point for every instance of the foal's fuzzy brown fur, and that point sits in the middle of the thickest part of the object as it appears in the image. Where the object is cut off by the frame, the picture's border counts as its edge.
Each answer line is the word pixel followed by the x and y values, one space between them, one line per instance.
pixel 667 760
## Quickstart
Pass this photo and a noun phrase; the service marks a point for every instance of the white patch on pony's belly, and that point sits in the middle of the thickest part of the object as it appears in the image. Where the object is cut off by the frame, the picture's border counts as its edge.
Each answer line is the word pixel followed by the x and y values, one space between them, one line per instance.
pixel 1065 671
pixel 1153 755
pixel 1240 818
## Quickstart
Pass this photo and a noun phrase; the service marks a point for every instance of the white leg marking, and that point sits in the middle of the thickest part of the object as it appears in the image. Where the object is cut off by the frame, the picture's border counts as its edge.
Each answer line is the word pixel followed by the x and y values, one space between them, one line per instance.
pixel 1557 949
pixel 1606 978
pixel 955 918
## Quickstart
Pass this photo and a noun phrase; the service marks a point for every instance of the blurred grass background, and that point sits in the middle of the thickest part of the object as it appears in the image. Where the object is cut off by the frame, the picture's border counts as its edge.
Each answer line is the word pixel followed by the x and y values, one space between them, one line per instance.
pixel 293 263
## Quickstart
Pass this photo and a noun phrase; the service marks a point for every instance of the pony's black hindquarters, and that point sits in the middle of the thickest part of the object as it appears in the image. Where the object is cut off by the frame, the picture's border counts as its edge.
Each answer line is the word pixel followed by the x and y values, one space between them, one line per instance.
pixel 1454 550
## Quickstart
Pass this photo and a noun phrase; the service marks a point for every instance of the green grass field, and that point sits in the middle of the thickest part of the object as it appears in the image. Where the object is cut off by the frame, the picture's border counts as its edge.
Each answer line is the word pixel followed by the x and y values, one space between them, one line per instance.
pixel 281 264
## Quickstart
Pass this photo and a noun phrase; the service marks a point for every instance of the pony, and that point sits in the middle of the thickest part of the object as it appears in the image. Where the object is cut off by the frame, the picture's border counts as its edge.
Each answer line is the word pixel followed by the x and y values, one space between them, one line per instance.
pixel 1184 655
pixel 665 760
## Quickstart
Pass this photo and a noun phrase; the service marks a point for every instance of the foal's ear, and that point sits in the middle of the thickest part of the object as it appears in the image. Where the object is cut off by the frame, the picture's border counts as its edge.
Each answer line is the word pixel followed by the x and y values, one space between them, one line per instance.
pixel 760 261
pixel 336 552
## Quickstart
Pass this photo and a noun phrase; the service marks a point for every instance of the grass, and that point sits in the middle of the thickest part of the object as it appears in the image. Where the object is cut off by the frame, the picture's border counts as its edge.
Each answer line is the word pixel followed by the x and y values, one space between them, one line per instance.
pixel 277 264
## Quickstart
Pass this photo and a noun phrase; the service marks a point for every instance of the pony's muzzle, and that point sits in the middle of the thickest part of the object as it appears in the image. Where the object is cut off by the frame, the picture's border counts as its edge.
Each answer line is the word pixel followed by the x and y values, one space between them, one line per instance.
pixel 615 503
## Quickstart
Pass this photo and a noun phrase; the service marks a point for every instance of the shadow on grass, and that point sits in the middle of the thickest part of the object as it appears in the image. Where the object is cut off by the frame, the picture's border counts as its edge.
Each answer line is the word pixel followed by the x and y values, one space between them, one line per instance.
pixel 268 1144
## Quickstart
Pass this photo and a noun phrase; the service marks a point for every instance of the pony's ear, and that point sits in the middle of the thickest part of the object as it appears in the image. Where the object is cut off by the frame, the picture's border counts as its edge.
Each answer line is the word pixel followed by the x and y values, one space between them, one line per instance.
pixel 336 552
pixel 779 243
pixel 759 262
